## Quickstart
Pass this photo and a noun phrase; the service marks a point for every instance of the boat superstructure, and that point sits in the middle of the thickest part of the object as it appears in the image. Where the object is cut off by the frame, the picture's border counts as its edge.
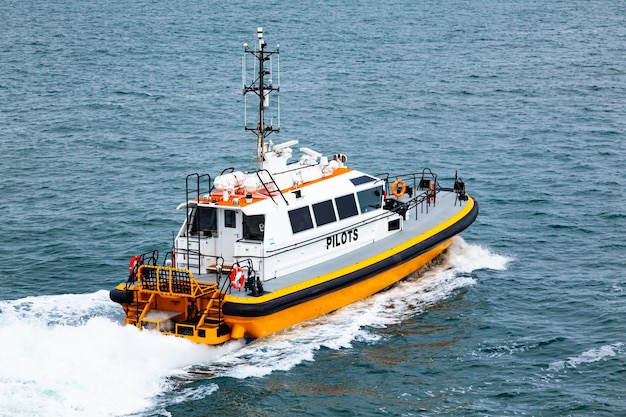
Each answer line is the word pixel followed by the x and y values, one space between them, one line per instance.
pixel 290 240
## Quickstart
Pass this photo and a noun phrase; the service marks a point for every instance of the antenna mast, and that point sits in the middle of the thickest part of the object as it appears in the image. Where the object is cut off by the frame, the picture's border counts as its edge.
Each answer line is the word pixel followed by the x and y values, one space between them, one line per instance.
pixel 261 85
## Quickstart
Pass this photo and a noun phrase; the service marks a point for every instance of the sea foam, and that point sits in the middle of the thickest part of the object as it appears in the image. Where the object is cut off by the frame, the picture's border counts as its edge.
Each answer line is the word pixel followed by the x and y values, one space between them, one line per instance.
pixel 69 355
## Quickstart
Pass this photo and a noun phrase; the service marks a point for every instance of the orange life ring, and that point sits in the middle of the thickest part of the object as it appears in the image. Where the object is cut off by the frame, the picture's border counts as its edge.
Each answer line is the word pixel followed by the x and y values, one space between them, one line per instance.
pixel 237 277
pixel 398 192
pixel 133 266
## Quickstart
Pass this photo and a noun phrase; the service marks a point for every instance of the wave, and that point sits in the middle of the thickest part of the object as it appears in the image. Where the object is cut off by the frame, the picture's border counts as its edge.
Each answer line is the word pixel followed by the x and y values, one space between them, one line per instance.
pixel 519 347
pixel 589 356
pixel 354 323
pixel 70 355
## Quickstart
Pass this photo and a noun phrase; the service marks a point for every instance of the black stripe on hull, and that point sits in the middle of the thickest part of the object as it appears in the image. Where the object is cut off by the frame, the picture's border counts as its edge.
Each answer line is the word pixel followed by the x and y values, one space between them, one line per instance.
pixel 275 305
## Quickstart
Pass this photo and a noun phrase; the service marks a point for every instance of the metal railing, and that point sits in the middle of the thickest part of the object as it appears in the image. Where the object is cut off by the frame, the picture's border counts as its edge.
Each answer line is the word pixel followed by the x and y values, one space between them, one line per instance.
pixel 171 282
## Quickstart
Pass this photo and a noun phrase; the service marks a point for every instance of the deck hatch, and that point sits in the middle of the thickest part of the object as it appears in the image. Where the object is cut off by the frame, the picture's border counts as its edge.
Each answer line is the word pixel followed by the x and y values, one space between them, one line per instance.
pixel 363 179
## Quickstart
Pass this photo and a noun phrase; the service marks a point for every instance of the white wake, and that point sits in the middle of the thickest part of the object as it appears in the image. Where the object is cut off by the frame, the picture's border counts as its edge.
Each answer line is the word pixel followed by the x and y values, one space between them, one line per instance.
pixel 70 355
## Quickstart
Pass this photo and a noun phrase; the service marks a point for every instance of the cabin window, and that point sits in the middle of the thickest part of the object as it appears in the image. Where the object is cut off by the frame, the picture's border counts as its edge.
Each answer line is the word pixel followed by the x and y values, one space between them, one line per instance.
pixel 300 219
pixel 324 212
pixel 346 206
pixel 253 227
pixel 204 220
pixel 230 218
pixel 370 199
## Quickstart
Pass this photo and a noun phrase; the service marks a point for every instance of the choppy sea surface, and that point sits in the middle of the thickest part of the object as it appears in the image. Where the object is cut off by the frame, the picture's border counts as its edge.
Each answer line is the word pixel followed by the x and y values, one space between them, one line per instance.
pixel 106 106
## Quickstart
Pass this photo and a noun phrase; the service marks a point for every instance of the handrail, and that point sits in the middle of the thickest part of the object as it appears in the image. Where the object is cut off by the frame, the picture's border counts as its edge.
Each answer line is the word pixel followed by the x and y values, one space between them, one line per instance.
pixel 171 282
pixel 415 180
pixel 272 181
pixel 194 191
pixel 230 170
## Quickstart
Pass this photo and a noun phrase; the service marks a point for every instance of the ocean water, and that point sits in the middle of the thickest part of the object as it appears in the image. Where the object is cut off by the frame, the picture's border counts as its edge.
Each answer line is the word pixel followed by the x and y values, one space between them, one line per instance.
pixel 106 106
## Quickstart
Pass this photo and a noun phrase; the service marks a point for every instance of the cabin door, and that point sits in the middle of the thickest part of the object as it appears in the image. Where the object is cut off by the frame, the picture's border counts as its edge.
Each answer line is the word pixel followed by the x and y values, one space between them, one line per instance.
pixel 229 232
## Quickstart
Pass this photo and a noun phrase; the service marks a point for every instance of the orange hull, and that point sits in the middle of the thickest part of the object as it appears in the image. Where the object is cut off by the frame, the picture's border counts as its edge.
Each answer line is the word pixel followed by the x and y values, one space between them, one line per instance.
pixel 256 327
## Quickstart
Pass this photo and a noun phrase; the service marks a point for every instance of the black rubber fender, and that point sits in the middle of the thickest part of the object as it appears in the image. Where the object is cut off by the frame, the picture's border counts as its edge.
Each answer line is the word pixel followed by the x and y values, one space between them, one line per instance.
pixel 122 296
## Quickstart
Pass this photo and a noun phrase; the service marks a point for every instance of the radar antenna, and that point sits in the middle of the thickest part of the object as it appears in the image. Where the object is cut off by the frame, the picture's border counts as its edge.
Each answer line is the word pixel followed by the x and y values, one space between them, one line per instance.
pixel 261 85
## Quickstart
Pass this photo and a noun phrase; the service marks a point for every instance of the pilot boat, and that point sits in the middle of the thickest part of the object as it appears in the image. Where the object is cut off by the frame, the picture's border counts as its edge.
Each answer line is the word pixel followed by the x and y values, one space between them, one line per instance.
pixel 288 241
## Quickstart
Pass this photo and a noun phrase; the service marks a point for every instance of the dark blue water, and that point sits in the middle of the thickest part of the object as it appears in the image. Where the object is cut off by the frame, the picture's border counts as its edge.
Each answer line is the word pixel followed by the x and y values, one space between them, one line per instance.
pixel 105 107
